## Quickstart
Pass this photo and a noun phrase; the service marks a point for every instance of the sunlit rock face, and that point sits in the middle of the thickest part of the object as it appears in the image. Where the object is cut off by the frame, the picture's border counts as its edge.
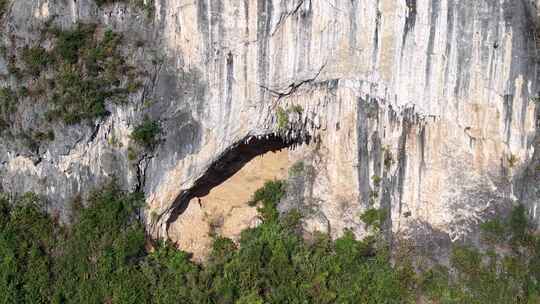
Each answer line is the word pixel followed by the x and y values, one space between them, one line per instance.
pixel 422 107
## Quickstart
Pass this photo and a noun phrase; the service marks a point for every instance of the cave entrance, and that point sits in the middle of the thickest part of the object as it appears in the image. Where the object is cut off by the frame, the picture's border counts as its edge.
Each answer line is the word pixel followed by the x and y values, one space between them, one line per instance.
pixel 217 204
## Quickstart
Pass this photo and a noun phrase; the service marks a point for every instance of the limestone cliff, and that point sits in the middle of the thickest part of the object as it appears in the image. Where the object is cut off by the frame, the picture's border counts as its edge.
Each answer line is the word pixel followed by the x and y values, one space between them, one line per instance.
pixel 424 107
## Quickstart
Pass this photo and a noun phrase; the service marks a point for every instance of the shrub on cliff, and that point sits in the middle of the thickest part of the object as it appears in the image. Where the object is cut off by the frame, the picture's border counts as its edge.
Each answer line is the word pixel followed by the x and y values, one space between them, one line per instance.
pixel 146 134
pixel 3 7
pixel 36 59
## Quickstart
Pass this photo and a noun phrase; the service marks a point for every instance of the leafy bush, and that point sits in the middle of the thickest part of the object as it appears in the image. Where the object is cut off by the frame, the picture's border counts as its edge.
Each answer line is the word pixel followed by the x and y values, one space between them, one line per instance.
pixel 388 158
pixel 493 231
pixel 519 225
pixel 269 196
pixel 36 59
pixel 3 7
pixel 8 105
pixel 373 217
pixel 376 181
pixel 71 43
pixel 296 169
pixel 76 97
pixel 8 100
pixel 146 134
pixel 282 118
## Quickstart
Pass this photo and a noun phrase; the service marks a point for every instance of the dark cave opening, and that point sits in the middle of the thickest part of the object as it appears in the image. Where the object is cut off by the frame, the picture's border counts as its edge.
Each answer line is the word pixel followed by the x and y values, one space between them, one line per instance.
pixel 228 163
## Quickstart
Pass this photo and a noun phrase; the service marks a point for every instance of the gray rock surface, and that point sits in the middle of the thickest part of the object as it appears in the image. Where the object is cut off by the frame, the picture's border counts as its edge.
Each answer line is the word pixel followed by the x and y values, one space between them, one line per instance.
pixel 423 107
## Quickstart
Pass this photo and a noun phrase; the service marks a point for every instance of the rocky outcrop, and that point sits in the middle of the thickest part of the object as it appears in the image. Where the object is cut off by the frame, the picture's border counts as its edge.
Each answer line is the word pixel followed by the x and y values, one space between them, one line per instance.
pixel 422 107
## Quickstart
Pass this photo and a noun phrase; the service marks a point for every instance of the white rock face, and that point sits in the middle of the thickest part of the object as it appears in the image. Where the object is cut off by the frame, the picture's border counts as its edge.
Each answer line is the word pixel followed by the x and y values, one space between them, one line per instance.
pixel 441 87
pixel 422 107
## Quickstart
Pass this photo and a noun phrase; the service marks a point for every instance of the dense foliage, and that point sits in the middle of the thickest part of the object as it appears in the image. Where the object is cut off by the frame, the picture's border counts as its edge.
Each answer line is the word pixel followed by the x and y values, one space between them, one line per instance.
pixel 507 272
pixel 105 257
pixel 146 134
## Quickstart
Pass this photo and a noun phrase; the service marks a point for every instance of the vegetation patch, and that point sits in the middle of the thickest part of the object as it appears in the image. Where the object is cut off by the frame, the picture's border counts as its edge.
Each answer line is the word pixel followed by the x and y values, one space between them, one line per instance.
pixel 8 105
pixel 36 59
pixel 296 109
pixel 3 7
pixel 282 119
pixel 388 158
pixel 512 160
pixel 267 198
pixel 296 169
pixel 76 76
pixel 91 71
pixel 493 231
pixel 146 134
pixel 374 217
pixel 104 257
pixel 283 115
pixel 491 276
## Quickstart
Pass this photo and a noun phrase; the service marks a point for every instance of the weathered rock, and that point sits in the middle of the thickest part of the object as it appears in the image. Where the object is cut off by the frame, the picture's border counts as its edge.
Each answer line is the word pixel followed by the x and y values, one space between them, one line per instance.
pixel 419 106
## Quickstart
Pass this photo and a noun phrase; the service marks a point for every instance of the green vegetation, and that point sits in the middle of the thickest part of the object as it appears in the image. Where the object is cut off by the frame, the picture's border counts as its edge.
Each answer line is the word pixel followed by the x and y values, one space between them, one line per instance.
pixel 374 217
pixel 105 2
pixel 282 119
pixel 146 134
pixel 376 181
pixel 283 115
pixel 91 72
pixel 40 136
pixel 512 160
pixel 8 105
pixel 296 169
pixel 69 43
pixel 78 75
pixel 489 277
pixel 67 75
pixel 388 159
pixel 493 231
pixel 104 257
pixel 36 59
pixel 3 7
pixel 131 154
pixel 8 100
pixel 268 197
pixel 147 6
pixel 296 109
